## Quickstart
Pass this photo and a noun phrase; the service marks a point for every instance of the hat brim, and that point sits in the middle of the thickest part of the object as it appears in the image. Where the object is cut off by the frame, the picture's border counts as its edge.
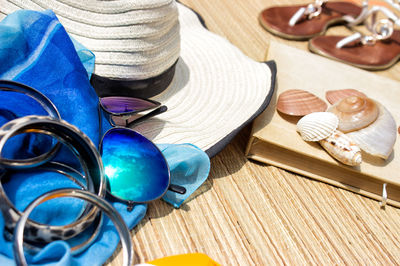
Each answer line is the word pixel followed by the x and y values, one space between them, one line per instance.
pixel 215 92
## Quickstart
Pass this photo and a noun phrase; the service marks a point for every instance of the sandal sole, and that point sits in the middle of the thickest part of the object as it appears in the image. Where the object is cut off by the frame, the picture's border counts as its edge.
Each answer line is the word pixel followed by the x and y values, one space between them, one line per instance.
pixel 299 37
pixel 315 50
pixel 275 20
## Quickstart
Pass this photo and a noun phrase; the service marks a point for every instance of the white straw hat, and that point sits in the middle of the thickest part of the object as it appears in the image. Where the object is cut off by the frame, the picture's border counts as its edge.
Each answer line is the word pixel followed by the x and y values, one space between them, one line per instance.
pixel 131 39
pixel 216 89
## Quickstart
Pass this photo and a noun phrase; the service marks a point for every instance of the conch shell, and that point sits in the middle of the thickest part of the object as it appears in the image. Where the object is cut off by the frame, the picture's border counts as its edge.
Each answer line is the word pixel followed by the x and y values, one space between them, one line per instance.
pixel 339 145
pixel 299 103
pixel 321 127
pixel 368 123
pixel 355 113
pixel 378 138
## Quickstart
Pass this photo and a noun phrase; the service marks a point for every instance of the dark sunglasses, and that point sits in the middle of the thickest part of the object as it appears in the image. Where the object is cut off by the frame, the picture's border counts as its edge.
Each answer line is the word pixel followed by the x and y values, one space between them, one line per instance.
pixel 135 169
pixel 127 111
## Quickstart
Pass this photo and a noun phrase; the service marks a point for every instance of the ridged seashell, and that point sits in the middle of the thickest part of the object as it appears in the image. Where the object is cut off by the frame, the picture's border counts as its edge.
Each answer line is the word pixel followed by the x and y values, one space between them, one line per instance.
pixel 336 95
pixel 355 112
pixel 299 103
pixel 317 126
pixel 342 148
pixel 378 138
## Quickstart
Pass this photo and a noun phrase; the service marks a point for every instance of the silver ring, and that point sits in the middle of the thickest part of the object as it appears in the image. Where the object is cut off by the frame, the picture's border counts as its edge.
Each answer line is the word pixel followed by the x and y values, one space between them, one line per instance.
pixel 106 207
pixel 91 163
pixel 48 106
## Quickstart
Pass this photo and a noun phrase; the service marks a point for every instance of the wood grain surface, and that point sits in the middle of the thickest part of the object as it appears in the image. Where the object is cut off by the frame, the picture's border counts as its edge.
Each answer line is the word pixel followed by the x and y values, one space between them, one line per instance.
pixel 248 213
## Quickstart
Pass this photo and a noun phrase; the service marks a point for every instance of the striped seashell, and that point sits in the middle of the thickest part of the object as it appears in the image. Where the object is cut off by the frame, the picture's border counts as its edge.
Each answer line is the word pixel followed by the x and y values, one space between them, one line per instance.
pixel 342 148
pixel 299 103
pixel 335 96
pixel 317 126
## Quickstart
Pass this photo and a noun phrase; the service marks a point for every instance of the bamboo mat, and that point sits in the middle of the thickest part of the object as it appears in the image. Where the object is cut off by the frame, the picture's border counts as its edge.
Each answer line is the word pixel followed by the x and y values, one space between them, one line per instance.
pixel 253 214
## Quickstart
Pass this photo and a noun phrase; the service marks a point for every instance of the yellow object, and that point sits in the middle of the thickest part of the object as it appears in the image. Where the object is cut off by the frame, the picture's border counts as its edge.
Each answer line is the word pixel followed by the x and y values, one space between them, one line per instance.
pixel 193 259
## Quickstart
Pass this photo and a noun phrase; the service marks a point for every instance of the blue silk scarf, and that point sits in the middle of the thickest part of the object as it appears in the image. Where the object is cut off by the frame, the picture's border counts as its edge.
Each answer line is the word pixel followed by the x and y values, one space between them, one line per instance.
pixel 36 50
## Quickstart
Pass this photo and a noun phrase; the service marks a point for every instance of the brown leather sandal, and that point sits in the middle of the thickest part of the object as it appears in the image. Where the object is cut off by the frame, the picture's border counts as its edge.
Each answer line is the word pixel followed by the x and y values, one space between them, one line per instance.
pixel 301 22
pixel 377 51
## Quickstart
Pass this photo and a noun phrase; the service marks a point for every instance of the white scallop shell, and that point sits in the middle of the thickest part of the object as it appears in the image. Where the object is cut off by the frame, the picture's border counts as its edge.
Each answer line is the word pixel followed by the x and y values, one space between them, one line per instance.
pixel 378 138
pixel 317 126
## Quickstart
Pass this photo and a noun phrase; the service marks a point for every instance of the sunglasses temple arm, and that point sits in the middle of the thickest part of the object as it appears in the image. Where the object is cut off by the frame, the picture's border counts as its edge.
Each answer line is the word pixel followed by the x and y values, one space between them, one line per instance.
pixel 174 188
pixel 177 189
pixel 157 111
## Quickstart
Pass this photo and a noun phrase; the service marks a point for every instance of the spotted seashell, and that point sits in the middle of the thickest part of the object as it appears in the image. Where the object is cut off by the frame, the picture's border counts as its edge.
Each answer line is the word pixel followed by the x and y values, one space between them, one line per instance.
pixel 335 96
pixel 299 103
pixel 317 126
pixel 342 148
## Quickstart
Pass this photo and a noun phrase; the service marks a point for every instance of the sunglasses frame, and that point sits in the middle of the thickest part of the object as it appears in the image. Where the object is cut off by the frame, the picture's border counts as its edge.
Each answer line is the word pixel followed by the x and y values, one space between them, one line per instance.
pixel 156 110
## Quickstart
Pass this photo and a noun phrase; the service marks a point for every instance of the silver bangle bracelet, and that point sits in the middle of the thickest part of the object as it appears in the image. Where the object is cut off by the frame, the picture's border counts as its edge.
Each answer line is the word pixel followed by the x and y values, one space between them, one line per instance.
pixel 75 248
pixel 101 203
pixel 78 179
pixel 48 106
pixel 69 172
pixel 91 163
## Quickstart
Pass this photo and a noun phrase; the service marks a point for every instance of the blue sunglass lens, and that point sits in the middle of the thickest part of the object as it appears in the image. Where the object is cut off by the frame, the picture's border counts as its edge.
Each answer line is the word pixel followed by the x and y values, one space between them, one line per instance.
pixel 135 168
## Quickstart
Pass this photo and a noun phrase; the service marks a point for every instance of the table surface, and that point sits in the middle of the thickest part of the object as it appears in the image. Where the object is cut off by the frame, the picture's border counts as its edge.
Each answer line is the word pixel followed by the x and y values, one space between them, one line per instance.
pixel 248 213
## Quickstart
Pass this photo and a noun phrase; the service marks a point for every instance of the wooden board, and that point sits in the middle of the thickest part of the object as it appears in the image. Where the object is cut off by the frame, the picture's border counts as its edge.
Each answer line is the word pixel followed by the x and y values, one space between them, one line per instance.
pixel 275 140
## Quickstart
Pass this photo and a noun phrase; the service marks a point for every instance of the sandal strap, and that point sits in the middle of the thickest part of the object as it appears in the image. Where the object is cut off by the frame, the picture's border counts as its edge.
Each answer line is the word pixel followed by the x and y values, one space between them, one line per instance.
pixel 312 10
pixel 394 3
pixel 366 12
pixel 380 29
pixel 351 21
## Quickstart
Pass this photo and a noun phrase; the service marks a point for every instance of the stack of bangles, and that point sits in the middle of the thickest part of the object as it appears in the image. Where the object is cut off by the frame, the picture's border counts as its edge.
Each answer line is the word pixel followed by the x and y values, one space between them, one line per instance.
pixel 92 183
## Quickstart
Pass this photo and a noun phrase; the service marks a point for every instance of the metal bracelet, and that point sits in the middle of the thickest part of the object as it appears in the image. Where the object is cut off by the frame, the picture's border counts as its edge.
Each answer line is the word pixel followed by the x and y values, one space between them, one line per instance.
pixel 48 106
pixel 91 163
pixel 78 179
pixel 75 248
pixel 106 207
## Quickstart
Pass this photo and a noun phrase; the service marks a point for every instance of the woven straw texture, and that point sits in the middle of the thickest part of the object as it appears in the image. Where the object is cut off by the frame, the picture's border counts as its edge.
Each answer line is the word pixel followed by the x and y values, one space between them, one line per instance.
pixel 252 214
pixel 131 39
pixel 213 82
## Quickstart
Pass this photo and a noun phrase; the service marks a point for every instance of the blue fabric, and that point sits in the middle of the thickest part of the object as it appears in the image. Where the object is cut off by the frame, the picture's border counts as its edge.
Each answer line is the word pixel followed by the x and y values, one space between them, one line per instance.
pixel 36 50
